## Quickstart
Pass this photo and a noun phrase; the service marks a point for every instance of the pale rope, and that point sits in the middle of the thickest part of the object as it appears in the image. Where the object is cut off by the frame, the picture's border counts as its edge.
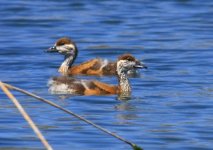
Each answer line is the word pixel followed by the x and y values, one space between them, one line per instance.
pixel 26 116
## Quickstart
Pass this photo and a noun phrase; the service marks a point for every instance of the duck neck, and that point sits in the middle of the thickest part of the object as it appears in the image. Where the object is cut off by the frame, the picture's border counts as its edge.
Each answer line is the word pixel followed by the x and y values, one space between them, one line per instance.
pixel 124 85
pixel 67 63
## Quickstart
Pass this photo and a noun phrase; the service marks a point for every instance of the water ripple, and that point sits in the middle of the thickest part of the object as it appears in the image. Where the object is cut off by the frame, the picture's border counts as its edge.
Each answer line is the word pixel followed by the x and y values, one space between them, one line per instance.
pixel 171 102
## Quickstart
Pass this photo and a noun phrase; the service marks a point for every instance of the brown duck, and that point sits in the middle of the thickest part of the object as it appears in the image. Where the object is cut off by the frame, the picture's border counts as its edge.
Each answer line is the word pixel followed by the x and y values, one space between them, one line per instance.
pixel 96 66
pixel 68 85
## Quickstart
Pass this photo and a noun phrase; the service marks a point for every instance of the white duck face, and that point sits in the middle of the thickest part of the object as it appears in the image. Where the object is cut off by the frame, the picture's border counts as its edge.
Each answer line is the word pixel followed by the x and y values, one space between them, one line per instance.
pixel 127 62
pixel 64 46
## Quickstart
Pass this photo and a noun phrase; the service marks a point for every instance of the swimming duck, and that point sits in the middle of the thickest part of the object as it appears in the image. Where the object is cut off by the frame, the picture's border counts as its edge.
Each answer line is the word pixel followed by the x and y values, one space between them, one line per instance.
pixel 96 66
pixel 68 85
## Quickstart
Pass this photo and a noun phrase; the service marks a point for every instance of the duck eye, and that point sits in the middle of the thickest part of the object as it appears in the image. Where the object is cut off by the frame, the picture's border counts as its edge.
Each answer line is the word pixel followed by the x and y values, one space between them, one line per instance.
pixel 62 43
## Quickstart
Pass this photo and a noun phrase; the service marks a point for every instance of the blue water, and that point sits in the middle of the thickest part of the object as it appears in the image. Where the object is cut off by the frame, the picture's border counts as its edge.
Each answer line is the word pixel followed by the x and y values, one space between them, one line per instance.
pixel 172 102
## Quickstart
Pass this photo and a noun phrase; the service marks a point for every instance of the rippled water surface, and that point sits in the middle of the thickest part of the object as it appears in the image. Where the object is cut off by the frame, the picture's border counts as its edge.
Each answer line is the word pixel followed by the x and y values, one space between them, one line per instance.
pixel 172 102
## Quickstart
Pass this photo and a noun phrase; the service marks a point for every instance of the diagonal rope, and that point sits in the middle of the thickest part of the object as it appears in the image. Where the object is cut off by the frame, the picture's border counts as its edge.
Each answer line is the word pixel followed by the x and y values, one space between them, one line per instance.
pixel 134 146
pixel 25 115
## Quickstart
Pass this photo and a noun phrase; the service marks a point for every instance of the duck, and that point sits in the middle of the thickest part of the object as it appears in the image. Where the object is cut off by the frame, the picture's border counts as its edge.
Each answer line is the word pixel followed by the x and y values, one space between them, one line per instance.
pixel 70 85
pixel 96 66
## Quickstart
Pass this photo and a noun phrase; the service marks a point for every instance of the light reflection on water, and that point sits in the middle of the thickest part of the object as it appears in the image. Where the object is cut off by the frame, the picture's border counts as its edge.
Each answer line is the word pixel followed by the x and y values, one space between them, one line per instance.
pixel 171 103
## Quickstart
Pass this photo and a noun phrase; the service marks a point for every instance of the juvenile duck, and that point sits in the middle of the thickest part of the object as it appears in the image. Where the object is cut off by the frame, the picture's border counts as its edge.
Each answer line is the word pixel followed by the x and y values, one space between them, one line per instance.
pixel 96 66
pixel 67 85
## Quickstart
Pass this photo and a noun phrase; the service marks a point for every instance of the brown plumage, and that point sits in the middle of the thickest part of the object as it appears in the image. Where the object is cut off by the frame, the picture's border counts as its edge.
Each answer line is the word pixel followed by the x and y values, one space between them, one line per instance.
pixel 91 67
pixel 82 87
pixel 69 85
pixel 95 66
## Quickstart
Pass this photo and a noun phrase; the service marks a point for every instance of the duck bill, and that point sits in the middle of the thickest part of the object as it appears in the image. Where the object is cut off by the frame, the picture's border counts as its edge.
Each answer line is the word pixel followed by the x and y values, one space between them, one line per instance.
pixel 52 49
pixel 140 65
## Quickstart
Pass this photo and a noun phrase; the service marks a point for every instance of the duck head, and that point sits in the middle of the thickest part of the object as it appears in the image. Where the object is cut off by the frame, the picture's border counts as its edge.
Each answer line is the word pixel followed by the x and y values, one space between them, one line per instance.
pixel 64 46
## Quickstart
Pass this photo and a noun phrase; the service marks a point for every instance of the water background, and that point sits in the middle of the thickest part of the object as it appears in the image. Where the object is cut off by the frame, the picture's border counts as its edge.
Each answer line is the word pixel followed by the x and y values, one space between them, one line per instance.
pixel 172 102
